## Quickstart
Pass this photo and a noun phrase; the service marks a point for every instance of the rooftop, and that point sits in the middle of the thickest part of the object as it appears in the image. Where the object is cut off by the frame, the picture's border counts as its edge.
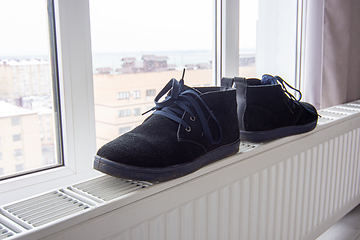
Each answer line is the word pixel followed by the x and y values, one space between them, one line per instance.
pixel 128 59
pixel 11 110
pixel 154 58
pixel 22 62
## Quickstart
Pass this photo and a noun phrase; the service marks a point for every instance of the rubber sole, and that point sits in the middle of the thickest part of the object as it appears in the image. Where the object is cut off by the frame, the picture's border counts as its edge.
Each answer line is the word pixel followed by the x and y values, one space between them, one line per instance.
pixel 263 136
pixel 163 174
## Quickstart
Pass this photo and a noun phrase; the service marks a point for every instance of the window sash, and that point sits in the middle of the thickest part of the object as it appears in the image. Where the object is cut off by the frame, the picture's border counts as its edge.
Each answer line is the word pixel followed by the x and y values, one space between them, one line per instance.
pixel 17 121
pixel 72 24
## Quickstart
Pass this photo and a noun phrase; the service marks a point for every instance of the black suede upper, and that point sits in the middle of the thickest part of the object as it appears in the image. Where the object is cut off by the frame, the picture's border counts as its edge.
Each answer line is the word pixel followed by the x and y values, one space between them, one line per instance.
pixel 161 142
pixel 268 107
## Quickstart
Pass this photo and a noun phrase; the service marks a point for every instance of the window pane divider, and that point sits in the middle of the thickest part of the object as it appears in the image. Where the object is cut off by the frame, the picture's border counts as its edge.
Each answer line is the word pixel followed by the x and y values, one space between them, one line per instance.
pixel 230 38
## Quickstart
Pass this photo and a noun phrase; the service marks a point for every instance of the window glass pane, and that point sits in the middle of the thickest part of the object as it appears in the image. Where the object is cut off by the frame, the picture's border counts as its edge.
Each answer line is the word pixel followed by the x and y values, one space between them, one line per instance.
pixel 247 38
pixel 268 38
pixel 17 137
pixel 27 130
pixel 138 46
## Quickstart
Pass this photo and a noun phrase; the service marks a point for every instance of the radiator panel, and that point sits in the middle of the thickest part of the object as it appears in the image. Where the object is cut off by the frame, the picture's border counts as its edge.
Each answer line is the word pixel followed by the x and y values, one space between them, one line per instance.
pixel 291 188
pixel 287 200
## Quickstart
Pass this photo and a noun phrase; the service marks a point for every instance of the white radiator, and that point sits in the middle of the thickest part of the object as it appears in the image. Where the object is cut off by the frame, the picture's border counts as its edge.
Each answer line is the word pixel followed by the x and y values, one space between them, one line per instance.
pixel 290 188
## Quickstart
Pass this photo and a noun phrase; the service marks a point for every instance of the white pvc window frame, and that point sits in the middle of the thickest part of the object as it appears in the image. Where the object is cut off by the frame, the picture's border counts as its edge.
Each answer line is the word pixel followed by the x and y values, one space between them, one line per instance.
pixel 74 58
pixel 226 39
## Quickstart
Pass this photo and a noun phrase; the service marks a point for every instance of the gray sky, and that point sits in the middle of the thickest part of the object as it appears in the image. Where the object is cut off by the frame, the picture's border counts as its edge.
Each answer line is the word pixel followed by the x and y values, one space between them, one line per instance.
pixel 23 28
pixel 157 25
pixel 123 25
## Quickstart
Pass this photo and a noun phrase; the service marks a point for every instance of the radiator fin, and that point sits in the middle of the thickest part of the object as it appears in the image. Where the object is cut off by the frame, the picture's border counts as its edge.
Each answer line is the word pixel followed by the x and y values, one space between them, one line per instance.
pixel 5 232
pixel 247 146
pixel 337 112
pixel 108 188
pixel 43 209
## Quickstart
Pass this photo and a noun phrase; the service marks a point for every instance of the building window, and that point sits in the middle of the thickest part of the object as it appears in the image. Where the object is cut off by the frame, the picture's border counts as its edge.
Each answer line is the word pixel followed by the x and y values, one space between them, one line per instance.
pixel 123 95
pixel 124 113
pixel 15 121
pixel 136 94
pixel 150 92
pixel 16 137
pixel 18 152
pixel 19 167
pixel 1 156
pixel 123 130
pixel 137 111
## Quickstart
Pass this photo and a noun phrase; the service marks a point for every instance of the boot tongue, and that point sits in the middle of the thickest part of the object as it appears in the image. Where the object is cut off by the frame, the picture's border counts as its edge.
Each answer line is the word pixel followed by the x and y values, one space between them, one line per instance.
pixel 268 80
pixel 181 98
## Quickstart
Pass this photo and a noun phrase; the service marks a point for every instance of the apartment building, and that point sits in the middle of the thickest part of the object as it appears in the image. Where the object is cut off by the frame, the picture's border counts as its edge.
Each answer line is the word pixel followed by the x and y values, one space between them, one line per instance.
pixel 120 99
pixel 22 78
pixel 47 137
pixel 20 144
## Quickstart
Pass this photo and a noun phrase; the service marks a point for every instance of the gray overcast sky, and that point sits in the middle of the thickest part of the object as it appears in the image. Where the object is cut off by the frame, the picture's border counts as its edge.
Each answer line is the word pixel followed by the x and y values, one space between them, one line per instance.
pixel 123 25
pixel 143 25
pixel 23 28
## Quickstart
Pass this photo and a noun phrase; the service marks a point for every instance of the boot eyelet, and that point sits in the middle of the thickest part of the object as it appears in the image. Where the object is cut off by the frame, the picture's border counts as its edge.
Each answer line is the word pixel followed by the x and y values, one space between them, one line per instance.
pixel 192 118
pixel 188 129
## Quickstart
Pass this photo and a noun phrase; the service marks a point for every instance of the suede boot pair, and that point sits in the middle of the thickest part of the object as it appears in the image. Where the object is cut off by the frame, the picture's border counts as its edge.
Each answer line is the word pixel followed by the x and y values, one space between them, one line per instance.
pixel 267 111
pixel 194 127
pixel 191 128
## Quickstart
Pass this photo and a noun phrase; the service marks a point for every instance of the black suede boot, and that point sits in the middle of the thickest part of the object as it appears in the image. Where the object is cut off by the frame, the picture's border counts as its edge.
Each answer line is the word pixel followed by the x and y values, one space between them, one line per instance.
pixel 267 111
pixel 191 128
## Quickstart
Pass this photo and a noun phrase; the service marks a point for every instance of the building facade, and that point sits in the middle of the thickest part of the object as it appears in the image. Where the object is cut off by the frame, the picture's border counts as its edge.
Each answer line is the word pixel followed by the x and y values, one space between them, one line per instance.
pixel 22 78
pixel 20 143
pixel 120 99
pixel 26 116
